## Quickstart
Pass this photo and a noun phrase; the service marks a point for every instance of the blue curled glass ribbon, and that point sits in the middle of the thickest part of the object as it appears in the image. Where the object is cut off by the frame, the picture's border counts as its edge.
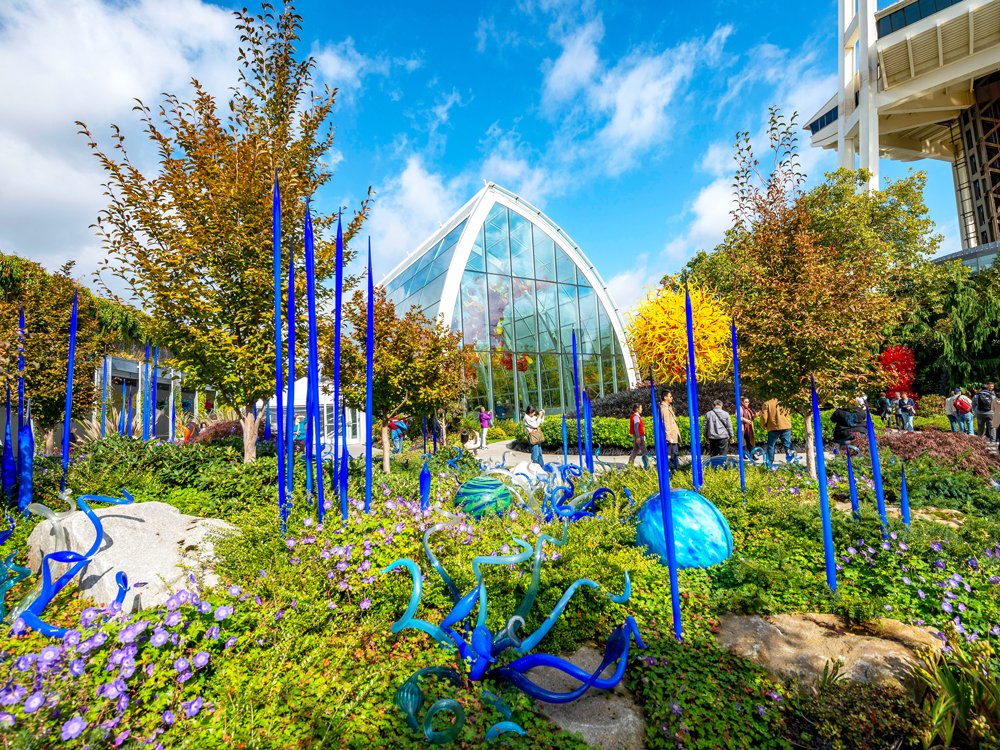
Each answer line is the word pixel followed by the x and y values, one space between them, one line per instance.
pixel 32 613
pixel 409 699
pixel 408 620
pixel 616 650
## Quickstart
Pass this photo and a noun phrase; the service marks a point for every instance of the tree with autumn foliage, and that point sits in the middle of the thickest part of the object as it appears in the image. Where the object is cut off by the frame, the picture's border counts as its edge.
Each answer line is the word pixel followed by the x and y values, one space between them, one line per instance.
pixel 900 368
pixel 193 241
pixel 47 300
pixel 419 364
pixel 656 329
pixel 809 299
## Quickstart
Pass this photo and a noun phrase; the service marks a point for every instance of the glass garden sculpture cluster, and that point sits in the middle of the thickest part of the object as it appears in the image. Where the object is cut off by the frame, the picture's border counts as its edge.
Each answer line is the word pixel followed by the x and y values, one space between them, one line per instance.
pixel 480 648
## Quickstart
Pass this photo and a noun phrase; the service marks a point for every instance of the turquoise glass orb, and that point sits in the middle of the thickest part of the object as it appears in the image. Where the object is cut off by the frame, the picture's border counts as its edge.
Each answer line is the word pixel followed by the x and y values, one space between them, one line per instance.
pixel 701 533
pixel 483 495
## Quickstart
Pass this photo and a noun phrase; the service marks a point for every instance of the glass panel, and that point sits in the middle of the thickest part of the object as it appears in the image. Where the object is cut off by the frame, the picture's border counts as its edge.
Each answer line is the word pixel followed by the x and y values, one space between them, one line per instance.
pixel 524 315
pixel 548 366
pixel 453 236
pixel 503 382
pixel 521 260
pixel 477 258
pixel 569 394
pixel 430 295
pixel 607 332
pixel 527 379
pixel 500 335
pixel 479 395
pixel 622 380
pixel 497 256
pixel 545 258
pixel 568 317
pixel 440 264
pixel 926 8
pixel 884 26
pixel 548 318
pixel 608 374
pixel 897 20
pixel 591 375
pixel 566 268
pixel 588 321
pixel 473 296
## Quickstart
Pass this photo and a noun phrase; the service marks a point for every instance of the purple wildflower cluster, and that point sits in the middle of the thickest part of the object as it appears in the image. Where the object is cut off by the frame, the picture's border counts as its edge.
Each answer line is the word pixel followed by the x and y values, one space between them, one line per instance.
pixel 956 589
pixel 101 675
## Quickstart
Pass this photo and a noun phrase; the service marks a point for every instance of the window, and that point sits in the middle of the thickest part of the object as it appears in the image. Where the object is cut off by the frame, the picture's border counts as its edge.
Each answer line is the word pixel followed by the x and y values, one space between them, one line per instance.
pixel 984 238
pixel 968 139
pixel 972 164
pixel 975 186
pixel 897 20
pixel 982 218
pixel 912 13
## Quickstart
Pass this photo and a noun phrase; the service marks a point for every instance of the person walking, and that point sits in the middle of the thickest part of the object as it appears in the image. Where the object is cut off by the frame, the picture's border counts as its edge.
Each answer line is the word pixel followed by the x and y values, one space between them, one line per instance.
pixel 638 432
pixel 299 433
pixel 959 410
pixel 897 409
pixel 747 416
pixel 983 407
pixel 533 420
pixel 719 430
pixel 670 428
pixel 485 417
pixel 883 407
pixel 397 429
pixel 907 410
pixel 778 423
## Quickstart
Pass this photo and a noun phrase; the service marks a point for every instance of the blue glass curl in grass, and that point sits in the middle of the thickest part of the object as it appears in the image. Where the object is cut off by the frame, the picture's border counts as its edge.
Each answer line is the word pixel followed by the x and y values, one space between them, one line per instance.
pixel 479 496
pixel 701 534
pixel 425 482
pixel 483 647
pixel 34 603
pixel 855 508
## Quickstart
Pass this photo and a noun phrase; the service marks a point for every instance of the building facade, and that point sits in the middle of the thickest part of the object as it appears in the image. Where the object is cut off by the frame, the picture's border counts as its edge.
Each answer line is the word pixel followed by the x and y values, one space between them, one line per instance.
pixel 920 79
pixel 516 287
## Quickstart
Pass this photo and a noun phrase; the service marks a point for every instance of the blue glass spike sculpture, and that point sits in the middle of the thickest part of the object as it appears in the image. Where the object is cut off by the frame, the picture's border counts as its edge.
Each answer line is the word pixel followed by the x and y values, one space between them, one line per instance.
pixel 369 391
pixel 9 472
pixel 481 496
pixel 337 405
pixel 68 416
pixel 425 485
pixel 824 504
pixel 904 499
pixel 314 440
pixel 701 534
pixel 290 408
pixel 465 629
pixel 26 463
pixel 31 607
pixel 278 351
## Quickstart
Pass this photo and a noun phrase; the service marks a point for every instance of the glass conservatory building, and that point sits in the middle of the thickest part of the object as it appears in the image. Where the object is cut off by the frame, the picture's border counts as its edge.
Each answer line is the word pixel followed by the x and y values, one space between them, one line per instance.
pixel 517 287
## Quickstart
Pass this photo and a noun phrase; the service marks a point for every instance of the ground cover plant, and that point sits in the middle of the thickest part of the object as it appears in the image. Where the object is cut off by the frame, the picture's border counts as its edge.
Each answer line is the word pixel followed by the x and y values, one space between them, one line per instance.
pixel 305 657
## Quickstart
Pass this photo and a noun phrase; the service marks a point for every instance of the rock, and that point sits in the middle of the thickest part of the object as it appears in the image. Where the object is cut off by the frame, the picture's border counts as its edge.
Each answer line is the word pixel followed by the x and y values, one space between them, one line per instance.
pixel 799 646
pixel 153 543
pixel 609 719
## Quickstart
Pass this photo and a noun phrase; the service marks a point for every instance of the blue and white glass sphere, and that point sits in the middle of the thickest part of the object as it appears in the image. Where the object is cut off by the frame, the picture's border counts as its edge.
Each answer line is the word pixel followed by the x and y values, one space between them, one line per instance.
pixel 701 533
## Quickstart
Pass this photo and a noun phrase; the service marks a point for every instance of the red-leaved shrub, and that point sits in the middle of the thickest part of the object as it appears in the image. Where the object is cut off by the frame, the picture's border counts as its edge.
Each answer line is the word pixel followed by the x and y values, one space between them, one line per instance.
pixel 967 452
pixel 218 430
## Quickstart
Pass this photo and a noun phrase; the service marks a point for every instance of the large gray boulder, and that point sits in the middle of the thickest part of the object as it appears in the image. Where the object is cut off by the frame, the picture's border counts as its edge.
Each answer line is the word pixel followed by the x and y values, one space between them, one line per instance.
pixel 152 543
pixel 609 719
pixel 799 646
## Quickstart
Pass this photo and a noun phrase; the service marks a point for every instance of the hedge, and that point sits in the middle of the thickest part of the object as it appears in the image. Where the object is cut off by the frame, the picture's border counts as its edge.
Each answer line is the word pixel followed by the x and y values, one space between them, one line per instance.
pixel 610 432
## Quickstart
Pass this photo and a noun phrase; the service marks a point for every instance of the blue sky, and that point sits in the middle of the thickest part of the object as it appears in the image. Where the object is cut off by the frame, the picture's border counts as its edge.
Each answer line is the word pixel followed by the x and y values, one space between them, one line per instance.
pixel 616 119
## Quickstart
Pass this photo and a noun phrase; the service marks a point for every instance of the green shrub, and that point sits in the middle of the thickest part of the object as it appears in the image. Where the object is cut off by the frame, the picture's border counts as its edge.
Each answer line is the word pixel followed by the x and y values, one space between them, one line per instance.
pixel 855 716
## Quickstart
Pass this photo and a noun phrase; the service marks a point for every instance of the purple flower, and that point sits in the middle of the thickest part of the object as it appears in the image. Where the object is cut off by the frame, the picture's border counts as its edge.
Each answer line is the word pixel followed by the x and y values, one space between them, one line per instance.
pixel 173 619
pixel 906 580
pixel 201 659
pixel 49 654
pixel 191 708
pixel 773 695
pixel 851 551
pixel 122 737
pixel 168 717
pixel 34 702
pixel 12 696
pixel 173 602
pixel 921 594
pixel 936 546
pixel 89 615
pixel 886 546
pixel 946 606
pixel 366 603
pixel 159 638
pixel 223 612
pixel 761 710
pixel 234 590
pixel 184 676
pixel 892 535
pixel 181 664
pixel 973 562
pixel 73 728
pixel 76 667
pixel 6 719
pixel 213 633
pixel 262 573
pixel 675 708
pixel 71 638
pixel 24 663
pixel 904 546
pixel 290 543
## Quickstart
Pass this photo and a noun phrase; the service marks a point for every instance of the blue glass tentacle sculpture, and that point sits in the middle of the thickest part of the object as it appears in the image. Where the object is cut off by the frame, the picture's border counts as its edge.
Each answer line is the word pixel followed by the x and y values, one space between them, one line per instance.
pixel 26 463
pixel 30 608
pixel 481 649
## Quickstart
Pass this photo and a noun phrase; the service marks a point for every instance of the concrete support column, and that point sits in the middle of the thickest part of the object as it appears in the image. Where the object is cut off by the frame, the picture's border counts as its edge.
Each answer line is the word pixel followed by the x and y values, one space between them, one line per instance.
pixel 868 94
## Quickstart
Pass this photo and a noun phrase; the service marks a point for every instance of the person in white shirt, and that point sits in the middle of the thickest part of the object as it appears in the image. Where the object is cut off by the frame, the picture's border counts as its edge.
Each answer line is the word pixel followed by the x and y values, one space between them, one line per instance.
pixel 470 441
pixel 533 420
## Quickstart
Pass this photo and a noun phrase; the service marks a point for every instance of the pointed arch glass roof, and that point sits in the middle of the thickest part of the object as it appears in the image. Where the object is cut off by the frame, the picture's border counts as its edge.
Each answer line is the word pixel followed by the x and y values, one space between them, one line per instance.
pixel 517 288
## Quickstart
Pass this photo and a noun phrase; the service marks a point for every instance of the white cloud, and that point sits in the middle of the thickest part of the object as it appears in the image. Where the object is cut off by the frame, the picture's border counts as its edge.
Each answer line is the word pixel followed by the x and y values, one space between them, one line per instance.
pixel 88 60
pixel 487 32
pixel 511 163
pixel 344 67
pixel 408 208
pixel 575 67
